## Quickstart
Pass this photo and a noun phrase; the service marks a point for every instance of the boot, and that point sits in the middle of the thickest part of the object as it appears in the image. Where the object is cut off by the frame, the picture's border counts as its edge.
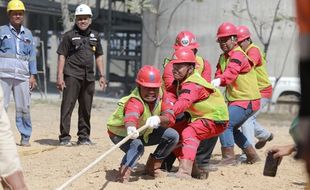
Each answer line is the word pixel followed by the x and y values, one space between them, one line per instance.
pixel 124 174
pixel 185 169
pixel 14 181
pixel 228 156
pixel 153 166
pixel 251 155
pixel 199 172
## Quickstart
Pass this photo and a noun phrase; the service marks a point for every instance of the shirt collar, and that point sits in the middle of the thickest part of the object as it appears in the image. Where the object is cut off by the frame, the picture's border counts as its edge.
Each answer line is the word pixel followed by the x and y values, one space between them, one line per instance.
pixel 22 29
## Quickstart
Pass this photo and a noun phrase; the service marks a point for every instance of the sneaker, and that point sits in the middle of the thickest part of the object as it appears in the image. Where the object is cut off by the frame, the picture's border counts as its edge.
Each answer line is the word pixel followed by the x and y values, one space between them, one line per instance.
pixel 85 142
pixel 261 143
pixel 65 143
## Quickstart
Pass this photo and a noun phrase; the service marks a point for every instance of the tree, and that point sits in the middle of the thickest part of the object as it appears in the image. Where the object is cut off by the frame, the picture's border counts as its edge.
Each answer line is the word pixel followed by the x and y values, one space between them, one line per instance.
pixel 153 34
pixel 66 17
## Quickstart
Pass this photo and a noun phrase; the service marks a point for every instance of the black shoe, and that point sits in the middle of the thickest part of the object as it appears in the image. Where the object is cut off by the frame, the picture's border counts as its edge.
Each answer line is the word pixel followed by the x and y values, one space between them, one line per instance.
pixel 85 142
pixel 261 143
pixel 65 143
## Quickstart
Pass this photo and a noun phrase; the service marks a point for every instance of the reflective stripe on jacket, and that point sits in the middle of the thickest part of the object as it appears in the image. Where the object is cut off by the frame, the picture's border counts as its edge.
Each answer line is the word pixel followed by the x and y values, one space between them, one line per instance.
pixel 115 122
pixel 213 107
pixel 245 86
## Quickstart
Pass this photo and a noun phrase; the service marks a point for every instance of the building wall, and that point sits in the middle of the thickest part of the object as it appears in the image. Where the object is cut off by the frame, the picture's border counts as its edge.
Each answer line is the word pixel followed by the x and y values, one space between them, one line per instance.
pixel 203 19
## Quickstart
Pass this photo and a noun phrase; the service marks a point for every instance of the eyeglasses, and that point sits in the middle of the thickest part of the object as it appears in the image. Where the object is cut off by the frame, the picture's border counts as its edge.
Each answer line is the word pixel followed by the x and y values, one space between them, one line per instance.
pixel 223 39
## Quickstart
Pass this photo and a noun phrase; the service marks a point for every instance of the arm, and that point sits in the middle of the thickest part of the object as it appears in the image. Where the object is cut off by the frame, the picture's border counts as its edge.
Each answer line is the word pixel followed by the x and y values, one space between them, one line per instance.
pixel 206 73
pixel 60 84
pixel 255 56
pixel 133 111
pixel 189 94
pixel 99 63
pixel 280 151
pixel 168 77
pixel 32 65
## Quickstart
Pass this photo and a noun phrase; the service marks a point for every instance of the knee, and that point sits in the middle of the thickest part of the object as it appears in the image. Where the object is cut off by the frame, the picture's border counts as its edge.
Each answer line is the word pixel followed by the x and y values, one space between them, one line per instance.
pixel 137 145
pixel 171 134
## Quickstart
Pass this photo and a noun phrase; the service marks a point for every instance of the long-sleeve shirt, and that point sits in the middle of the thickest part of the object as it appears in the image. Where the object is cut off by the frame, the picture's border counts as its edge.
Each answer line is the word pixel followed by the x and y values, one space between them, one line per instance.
pixel 189 93
pixel 134 109
pixel 15 47
pixel 238 63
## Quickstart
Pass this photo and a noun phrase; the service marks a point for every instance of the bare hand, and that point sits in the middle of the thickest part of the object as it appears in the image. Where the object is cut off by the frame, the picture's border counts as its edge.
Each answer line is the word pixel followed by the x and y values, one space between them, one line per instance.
pixel 32 82
pixel 60 84
pixel 103 83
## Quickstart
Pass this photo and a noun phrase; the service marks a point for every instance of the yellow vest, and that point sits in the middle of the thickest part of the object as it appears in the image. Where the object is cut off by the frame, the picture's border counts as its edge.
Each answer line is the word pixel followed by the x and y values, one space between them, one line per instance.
pixel 261 72
pixel 213 108
pixel 244 87
pixel 115 122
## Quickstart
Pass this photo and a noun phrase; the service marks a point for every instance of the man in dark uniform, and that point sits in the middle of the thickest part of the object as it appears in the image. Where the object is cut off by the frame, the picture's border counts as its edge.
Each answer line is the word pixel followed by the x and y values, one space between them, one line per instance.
pixel 75 76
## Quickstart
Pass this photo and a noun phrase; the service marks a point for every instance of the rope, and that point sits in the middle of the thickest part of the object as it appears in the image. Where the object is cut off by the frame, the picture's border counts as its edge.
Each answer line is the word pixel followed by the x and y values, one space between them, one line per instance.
pixel 99 159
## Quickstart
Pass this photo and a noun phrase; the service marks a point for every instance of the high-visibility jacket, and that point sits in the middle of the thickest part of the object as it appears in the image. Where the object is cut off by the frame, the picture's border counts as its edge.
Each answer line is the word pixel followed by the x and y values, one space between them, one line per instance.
pixel 213 107
pixel 245 86
pixel 116 120
pixel 261 72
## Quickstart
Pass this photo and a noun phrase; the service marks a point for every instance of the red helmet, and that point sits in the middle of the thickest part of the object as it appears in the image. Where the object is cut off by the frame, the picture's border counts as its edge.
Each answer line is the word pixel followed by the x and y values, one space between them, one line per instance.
pixel 226 29
pixel 243 33
pixel 149 76
pixel 185 39
pixel 183 55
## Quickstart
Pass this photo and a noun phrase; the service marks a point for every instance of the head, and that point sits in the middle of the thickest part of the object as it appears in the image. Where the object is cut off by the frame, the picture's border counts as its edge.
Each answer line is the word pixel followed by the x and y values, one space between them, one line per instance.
pixel 244 37
pixel 227 36
pixel 186 39
pixel 15 11
pixel 183 61
pixel 149 82
pixel 83 17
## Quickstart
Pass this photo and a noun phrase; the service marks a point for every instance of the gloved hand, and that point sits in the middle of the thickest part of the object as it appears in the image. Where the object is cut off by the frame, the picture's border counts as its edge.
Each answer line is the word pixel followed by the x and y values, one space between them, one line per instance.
pixel 132 130
pixel 153 122
pixel 216 82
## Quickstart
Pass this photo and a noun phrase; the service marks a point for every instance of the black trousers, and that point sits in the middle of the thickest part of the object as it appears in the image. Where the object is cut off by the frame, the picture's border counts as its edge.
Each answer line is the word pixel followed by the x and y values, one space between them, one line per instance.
pixel 83 91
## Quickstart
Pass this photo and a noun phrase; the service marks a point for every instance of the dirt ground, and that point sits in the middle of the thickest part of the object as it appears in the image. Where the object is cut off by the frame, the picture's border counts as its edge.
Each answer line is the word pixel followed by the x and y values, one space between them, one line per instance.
pixel 47 165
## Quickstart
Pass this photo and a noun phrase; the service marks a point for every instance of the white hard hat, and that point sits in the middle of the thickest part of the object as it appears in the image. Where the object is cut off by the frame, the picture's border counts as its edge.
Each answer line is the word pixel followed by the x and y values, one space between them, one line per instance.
pixel 83 10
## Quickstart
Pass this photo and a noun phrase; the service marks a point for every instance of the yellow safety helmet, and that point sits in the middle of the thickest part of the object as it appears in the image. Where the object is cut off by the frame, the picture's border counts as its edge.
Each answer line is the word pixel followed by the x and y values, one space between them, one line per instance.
pixel 15 5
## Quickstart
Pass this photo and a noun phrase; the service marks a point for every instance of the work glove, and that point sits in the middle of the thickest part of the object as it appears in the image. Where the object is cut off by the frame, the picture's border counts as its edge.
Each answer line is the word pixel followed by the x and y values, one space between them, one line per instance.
pixel 153 122
pixel 216 82
pixel 132 130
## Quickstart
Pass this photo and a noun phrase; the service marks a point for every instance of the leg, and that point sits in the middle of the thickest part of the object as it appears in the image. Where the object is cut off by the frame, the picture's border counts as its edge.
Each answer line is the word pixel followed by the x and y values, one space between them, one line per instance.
pixel 85 102
pixel 181 123
pixel 204 152
pixel 166 138
pixel 7 86
pixel 10 167
pixel 133 149
pixel 191 138
pixel 69 97
pixel 22 98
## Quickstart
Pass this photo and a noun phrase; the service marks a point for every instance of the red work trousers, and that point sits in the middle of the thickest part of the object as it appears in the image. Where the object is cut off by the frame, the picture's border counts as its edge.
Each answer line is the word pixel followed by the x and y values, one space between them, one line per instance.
pixel 194 133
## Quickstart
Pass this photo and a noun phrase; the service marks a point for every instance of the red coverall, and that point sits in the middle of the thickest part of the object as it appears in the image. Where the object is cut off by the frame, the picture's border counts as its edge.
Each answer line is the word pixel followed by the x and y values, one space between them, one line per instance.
pixel 195 131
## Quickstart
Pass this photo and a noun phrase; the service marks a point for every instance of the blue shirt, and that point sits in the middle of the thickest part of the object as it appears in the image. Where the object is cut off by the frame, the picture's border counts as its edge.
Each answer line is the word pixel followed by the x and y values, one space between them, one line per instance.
pixel 18 44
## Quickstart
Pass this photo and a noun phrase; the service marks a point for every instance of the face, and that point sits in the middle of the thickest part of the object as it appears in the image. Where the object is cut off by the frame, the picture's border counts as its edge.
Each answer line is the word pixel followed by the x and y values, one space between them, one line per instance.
pixel 181 70
pixel 16 18
pixel 227 43
pixel 244 44
pixel 149 94
pixel 83 21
